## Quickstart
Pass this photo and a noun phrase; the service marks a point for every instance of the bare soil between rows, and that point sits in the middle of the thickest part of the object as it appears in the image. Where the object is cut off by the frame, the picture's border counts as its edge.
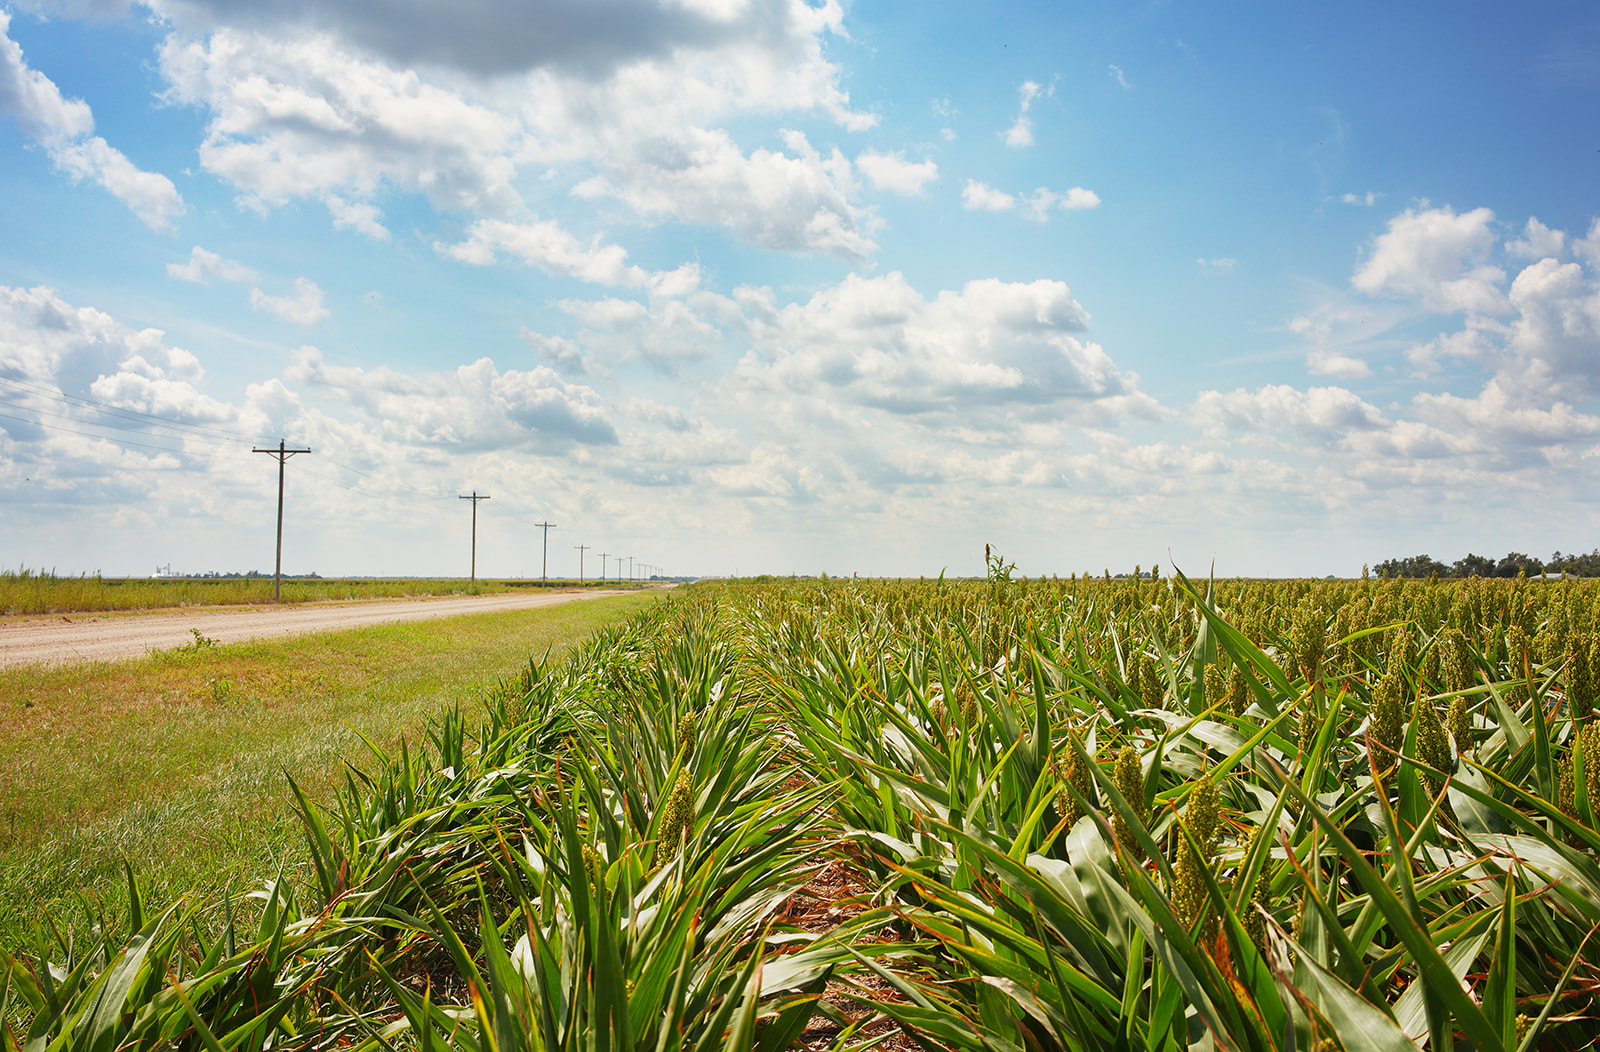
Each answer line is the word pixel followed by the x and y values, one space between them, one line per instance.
pixel 71 638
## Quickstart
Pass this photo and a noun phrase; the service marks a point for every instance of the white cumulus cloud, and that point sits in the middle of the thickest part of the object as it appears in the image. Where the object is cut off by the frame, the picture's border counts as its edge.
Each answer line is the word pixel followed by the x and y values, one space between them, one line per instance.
pixel 665 334
pixel 1539 333
pixel 1037 206
pixel 982 197
pixel 63 126
pixel 892 172
pixel 546 245
pixel 1323 362
pixel 303 118
pixel 476 406
pixel 1325 414
pixel 1325 328
pixel 85 353
pixel 1021 131
pixel 1538 242
pixel 338 104
pixel 304 307
pixel 204 265
pixel 1439 258
pixel 44 338
pixel 877 342
pixel 795 201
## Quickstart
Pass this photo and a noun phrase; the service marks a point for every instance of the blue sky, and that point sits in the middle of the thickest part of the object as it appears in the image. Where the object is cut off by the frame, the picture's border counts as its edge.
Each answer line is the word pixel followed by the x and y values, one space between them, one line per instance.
pixel 773 286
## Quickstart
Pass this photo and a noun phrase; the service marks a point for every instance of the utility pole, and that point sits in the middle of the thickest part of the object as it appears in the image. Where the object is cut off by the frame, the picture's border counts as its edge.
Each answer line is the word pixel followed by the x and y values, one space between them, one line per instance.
pixel 581 549
pixel 603 564
pixel 630 569
pixel 475 498
pixel 544 572
pixel 282 454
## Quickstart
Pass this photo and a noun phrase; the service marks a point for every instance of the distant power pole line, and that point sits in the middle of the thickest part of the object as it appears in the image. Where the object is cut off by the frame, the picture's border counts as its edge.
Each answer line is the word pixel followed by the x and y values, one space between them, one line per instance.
pixel 581 549
pixel 475 498
pixel 630 569
pixel 603 564
pixel 282 454
pixel 544 572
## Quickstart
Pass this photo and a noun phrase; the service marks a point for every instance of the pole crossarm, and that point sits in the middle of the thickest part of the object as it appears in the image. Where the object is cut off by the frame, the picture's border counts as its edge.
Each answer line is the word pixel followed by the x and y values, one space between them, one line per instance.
pixel 475 498
pixel 282 455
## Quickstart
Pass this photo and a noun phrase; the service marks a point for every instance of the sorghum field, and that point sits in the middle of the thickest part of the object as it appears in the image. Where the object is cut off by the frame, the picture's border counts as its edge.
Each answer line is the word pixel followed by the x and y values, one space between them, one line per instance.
pixel 1006 815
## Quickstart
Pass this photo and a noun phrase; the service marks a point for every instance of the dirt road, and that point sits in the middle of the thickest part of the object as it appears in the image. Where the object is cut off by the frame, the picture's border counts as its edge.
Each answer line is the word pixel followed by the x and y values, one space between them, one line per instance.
pixel 109 637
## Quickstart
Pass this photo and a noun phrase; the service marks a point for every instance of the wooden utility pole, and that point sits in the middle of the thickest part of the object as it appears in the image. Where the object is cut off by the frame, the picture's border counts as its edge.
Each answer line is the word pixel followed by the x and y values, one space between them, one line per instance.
pixel 603 564
pixel 630 569
pixel 475 498
pixel 581 549
pixel 544 572
pixel 282 454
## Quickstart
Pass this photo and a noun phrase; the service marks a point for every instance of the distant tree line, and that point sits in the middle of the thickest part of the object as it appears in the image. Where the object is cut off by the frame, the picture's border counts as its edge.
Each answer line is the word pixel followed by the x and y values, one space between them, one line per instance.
pixel 216 575
pixel 1483 566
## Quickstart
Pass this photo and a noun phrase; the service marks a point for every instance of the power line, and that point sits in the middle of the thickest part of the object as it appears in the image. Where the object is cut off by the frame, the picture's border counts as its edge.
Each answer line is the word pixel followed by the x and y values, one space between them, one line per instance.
pixel 148 421
pixel 399 487
pixel 105 407
pixel 603 565
pixel 378 489
pixel 372 494
pixel 190 440
pixel 115 441
pixel 146 429
pixel 581 549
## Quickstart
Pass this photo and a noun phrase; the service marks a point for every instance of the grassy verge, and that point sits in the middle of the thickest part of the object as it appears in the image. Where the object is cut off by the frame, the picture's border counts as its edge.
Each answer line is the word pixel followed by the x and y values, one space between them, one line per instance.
pixel 178 761
pixel 25 593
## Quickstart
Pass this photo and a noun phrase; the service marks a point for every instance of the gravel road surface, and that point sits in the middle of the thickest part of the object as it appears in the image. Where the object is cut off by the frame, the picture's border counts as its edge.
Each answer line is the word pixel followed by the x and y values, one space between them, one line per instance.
pixel 109 637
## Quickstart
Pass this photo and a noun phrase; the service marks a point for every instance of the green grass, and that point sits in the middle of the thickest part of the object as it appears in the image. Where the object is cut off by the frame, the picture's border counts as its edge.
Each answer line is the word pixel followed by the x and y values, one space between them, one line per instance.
pixel 26 592
pixel 177 761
